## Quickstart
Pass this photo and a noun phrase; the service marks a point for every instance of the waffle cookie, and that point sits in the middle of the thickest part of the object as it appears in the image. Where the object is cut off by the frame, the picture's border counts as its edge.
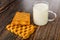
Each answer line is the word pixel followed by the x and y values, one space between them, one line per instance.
pixel 23 31
pixel 22 18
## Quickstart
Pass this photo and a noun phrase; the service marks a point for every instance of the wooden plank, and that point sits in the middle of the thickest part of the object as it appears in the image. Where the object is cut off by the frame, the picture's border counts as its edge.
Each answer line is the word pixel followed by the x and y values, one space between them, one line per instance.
pixel 51 31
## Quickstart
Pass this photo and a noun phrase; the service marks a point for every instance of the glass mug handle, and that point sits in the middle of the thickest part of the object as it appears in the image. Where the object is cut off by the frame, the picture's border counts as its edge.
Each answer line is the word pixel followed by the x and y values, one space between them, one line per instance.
pixel 54 15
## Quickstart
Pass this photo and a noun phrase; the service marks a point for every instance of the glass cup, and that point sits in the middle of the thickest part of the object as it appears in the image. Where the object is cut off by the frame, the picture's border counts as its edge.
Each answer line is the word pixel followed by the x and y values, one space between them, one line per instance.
pixel 40 13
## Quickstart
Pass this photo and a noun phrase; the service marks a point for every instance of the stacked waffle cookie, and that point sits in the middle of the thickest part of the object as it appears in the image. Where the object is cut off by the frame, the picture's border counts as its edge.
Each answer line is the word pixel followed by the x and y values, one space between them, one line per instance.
pixel 20 25
pixel 23 31
pixel 22 18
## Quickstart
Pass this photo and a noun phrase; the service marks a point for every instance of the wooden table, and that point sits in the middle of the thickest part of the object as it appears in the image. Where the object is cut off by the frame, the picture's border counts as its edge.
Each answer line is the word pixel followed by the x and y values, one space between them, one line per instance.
pixel 51 31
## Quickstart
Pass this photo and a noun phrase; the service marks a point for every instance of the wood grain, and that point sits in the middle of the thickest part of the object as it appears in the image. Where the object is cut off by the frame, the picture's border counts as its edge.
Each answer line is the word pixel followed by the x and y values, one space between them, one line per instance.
pixel 51 31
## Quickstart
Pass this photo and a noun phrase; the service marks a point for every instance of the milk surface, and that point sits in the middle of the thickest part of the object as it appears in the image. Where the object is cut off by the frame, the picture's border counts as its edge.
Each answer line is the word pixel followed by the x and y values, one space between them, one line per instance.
pixel 40 14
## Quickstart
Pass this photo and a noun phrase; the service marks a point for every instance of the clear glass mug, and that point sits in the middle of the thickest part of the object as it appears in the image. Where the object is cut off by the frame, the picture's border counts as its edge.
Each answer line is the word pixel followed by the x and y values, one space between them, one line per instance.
pixel 40 13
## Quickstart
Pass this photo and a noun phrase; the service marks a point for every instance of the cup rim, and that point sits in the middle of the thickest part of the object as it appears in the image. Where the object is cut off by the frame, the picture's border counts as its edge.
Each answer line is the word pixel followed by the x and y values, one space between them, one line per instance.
pixel 36 2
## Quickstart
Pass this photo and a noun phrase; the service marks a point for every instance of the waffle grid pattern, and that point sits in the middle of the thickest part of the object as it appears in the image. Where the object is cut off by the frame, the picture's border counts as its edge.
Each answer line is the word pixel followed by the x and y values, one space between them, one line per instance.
pixel 20 30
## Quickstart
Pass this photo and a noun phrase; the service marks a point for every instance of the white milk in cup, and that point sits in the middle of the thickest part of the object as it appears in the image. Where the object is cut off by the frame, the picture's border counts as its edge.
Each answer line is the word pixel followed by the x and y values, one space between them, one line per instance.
pixel 40 14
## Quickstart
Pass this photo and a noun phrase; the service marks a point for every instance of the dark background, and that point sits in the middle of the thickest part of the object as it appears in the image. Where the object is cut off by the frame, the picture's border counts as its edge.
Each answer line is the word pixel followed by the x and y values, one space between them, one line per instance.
pixel 51 31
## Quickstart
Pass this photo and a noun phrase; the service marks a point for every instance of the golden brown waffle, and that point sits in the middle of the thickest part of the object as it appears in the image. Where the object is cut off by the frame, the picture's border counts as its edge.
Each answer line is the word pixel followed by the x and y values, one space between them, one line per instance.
pixel 23 31
pixel 20 25
pixel 22 18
